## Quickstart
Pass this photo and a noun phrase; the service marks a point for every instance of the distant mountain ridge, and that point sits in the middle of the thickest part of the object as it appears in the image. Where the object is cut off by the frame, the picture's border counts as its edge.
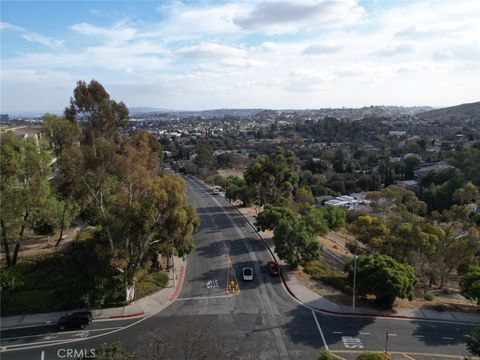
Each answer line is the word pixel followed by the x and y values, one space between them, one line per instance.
pixel 460 112
pixel 457 112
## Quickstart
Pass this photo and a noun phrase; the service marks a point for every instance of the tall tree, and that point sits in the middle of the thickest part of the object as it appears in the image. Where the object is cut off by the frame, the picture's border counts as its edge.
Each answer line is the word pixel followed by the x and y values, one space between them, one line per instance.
pixel 470 284
pixel 64 136
pixel 62 133
pixel 273 178
pixel 295 242
pixel 370 230
pixel 383 277
pixel 204 159
pixel 24 189
pixel 92 107
pixel 138 210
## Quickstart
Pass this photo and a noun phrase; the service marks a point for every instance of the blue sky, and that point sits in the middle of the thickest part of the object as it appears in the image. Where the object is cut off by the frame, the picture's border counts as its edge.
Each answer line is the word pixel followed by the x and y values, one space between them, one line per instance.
pixel 241 54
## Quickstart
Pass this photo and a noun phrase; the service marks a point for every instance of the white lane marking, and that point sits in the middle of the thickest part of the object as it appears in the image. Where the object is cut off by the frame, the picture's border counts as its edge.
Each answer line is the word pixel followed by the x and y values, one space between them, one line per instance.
pixel 265 301
pixel 19 346
pixel 364 333
pixel 83 334
pixel 337 332
pixel 47 336
pixel 351 342
pixel 390 334
pixel 203 297
pixel 447 338
pixel 320 331
pixel 212 284
pixel 467 336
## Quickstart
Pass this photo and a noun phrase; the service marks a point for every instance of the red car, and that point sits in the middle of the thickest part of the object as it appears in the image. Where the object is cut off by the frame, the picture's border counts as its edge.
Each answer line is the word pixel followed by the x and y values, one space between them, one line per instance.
pixel 273 268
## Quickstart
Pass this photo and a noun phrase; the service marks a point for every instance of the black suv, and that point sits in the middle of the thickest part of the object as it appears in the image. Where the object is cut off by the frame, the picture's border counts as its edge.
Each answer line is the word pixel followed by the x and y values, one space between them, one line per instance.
pixel 75 320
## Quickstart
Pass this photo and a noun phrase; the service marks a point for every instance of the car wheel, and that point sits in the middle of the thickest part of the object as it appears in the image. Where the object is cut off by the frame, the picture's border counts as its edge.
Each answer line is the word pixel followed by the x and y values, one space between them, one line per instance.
pixel 82 326
pixel 62 327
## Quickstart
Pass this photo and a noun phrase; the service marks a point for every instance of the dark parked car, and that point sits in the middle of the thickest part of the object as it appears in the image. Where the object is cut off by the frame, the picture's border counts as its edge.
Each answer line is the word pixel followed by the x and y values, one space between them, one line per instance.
pixel 273 269
pixel 75 320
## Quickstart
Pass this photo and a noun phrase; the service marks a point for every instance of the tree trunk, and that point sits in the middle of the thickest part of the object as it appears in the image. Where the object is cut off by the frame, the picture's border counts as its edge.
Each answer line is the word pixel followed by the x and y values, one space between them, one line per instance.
pixel 6 247
pixel 15 255
pixel 13 261
pixel 63 224
pixel 129 291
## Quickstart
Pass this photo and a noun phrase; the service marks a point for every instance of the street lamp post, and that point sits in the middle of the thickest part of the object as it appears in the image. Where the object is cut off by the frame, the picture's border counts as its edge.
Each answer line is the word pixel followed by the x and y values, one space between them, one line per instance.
pixel 173 264
pixel 354 279
pixel 386 344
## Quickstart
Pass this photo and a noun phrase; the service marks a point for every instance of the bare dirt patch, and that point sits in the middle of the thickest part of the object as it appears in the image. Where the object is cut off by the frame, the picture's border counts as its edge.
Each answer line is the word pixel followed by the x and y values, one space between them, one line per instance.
pixel 39 245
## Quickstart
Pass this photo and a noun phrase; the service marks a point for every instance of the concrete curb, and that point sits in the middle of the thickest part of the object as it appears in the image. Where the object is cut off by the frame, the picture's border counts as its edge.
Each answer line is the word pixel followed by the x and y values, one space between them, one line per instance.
pixel 331 312
pixel 141 313
pixel 138 314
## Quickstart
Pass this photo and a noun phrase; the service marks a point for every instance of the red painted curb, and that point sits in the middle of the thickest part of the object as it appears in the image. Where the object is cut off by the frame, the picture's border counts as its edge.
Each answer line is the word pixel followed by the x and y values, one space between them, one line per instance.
pixel 177 290
pixel 126 316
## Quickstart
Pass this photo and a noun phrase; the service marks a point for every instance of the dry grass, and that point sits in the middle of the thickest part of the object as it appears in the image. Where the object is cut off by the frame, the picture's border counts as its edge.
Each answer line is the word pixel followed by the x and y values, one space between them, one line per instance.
pixel 231 172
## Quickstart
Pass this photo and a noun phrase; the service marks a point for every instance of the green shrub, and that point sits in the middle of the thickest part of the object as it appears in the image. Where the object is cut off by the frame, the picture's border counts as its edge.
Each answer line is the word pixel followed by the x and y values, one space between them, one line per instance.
pixel 428 296
pixel 326 355
pixel 113 351
pixel 150 283
pixel 370 356
pixel 86 234
pixel 9 279
pixel 445 291
pixel 329 277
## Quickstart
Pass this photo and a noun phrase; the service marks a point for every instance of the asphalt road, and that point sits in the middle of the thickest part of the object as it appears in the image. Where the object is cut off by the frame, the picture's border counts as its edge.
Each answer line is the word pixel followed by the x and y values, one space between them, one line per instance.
pixel 262 321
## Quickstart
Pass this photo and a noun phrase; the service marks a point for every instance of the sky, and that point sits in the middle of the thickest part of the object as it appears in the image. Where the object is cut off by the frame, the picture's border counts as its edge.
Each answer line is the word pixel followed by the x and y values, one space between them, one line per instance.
pixel 277 54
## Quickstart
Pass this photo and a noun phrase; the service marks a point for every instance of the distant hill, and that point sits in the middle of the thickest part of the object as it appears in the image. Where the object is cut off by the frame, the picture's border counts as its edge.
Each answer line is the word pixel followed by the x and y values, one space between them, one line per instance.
pixel 458 112
pixel 203 113
pixel 144 110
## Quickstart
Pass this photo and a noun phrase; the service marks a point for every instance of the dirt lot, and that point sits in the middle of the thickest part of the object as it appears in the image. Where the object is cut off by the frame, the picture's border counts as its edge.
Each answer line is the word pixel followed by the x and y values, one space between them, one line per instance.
pixel 36 245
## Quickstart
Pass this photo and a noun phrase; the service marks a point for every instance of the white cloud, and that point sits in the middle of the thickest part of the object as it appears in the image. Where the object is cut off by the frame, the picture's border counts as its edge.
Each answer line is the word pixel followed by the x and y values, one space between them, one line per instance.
pixel 334 54
pixel 33 36
pixel 117 34
pixel 319 49
pixel 208 50
pixel 396 50
pixel 8 26
pixel 293 16
pixel 48 42
pixel 240 63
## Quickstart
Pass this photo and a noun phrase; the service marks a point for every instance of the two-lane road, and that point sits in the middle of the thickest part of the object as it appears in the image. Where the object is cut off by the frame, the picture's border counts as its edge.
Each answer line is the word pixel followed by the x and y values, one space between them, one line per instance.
pixel 262 320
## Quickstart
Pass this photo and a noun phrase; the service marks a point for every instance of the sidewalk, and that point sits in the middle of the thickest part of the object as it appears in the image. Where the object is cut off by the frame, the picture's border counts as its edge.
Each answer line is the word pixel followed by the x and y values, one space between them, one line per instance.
pixel 313 300
pixel 139 308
